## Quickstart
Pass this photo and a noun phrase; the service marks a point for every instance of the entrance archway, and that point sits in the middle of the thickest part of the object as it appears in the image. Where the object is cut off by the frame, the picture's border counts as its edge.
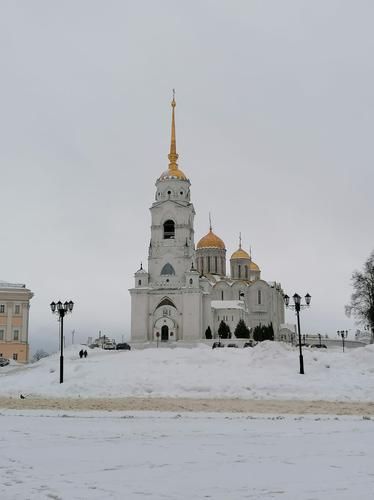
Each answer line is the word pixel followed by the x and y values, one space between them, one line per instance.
pixel 164 333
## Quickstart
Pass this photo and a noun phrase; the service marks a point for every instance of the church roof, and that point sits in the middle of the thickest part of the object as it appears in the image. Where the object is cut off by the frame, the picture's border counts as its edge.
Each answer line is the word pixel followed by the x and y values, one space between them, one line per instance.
pixel 211 240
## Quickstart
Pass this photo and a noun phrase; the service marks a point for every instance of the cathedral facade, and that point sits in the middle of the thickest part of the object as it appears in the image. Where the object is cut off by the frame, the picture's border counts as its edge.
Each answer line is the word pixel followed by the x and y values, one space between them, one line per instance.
pixel 186 289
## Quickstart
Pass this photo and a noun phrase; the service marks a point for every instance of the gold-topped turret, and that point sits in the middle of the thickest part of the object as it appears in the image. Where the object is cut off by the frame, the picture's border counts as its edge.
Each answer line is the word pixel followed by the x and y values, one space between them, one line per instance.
pixel 173 170
pixel 240 253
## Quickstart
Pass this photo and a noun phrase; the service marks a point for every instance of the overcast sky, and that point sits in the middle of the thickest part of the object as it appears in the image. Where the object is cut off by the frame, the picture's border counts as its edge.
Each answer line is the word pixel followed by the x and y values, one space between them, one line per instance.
pixel 274 130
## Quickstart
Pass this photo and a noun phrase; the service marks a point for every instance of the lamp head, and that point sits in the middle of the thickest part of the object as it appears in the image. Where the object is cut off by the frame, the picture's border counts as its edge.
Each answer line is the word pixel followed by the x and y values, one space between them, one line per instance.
pixel 53 306
pixel 286 299
pixel 308 298
pixel 297 299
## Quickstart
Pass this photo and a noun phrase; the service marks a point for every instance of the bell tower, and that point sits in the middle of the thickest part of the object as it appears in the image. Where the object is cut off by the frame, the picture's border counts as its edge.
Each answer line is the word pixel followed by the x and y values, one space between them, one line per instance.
pixel 171 249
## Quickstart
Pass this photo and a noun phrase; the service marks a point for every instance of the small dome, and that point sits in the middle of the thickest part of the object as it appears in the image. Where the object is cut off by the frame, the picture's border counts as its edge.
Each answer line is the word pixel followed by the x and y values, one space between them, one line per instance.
pixel 210 240
pixel 253 266
pixel 240 254
pixel 173 174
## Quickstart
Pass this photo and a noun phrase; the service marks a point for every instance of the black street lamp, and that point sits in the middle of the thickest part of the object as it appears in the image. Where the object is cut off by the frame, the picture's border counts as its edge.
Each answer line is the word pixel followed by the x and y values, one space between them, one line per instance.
pixel 343 334
pixel 297 307
pixel 61 309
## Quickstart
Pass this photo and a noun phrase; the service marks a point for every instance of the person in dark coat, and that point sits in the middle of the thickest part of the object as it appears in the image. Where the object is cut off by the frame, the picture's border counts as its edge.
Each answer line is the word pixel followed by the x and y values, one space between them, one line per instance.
pixel 85 354
pixel 81 353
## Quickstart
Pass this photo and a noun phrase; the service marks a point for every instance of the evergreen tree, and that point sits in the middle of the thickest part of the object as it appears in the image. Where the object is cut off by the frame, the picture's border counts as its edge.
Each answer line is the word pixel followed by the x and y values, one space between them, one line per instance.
pixel 241 330
pixel 268 332
pixel 262 332
pixel 208 333
pixel 224 331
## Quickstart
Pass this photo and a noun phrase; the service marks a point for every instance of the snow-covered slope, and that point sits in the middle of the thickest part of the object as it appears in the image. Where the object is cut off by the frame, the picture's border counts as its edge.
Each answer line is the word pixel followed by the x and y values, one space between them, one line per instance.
pixel 268 371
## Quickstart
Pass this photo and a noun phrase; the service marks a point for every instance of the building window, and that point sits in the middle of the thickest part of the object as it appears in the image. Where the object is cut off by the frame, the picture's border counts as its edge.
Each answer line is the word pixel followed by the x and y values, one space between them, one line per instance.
pixel 1 334
pixel 216 264
pixel 239 271
pixel 15 334
pixel 191 281
pixel 140 282
pixel 15 356
pixel 222 295
pixel 208 264
pixel 2 308
pixel 169 230
pixel 246 272
pixel 259 297
pixel 17 309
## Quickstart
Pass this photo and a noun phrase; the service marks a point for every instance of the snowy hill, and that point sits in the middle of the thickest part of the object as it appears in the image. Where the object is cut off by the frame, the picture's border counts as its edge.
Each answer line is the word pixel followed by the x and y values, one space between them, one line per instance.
pixel 268 371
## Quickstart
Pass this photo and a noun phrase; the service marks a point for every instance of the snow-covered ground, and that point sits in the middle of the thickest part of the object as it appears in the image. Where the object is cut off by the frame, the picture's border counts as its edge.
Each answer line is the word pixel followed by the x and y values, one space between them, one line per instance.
pixel 71 456
pixel 268 371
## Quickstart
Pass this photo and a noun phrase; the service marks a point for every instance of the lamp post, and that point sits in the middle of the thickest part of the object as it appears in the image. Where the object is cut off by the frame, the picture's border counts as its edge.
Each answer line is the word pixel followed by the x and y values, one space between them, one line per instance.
pixel 61 309
pixel 320 339
pixel 343 334
pixel 297 307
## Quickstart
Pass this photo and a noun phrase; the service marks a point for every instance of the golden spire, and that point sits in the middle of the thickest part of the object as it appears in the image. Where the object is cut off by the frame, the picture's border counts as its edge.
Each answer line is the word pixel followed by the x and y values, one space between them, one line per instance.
pixel 173 155
pixel 240 240
pixel 210 222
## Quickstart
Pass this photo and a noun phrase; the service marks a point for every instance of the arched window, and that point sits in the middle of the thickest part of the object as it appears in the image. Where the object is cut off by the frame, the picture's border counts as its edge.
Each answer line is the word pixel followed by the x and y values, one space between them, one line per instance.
pixel 140 282
pixel 246 272
pixel 167 270
pixel 169 229
pixel 208 264
pixel 259 297
pixel 191 281
pixel 239 271
pixel 216 264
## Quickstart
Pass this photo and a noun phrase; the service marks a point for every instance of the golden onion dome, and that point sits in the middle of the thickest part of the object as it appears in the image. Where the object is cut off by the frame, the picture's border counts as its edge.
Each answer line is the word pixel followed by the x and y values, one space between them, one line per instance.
pixel 211 240
pixel 175 173
pixel 253 266
pixel 240 254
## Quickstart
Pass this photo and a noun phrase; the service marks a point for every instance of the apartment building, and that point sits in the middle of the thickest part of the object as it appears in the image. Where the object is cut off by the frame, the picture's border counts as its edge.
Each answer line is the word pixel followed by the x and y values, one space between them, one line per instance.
pixel 14 321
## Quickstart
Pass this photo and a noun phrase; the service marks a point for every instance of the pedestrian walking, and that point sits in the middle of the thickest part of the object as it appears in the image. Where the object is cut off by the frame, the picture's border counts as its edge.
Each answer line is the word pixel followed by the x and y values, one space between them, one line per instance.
pixel 81 353
pixel 85 354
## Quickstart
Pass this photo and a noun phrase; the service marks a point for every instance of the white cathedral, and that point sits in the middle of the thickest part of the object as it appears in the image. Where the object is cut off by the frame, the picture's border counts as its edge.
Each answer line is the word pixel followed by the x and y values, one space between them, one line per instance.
pixel 186 289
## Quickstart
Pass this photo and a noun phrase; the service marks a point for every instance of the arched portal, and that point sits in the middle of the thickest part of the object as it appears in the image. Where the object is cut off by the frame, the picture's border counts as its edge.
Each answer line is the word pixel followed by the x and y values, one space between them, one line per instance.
pixel 164 333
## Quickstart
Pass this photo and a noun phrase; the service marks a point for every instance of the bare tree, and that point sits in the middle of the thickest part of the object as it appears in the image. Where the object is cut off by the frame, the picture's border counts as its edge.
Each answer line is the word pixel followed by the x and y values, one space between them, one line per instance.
pixel 362 299
pixel 39 354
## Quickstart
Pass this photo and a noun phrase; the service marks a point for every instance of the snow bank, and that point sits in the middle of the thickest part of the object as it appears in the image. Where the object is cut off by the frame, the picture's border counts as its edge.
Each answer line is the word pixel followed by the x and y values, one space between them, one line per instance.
pixel 268 371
